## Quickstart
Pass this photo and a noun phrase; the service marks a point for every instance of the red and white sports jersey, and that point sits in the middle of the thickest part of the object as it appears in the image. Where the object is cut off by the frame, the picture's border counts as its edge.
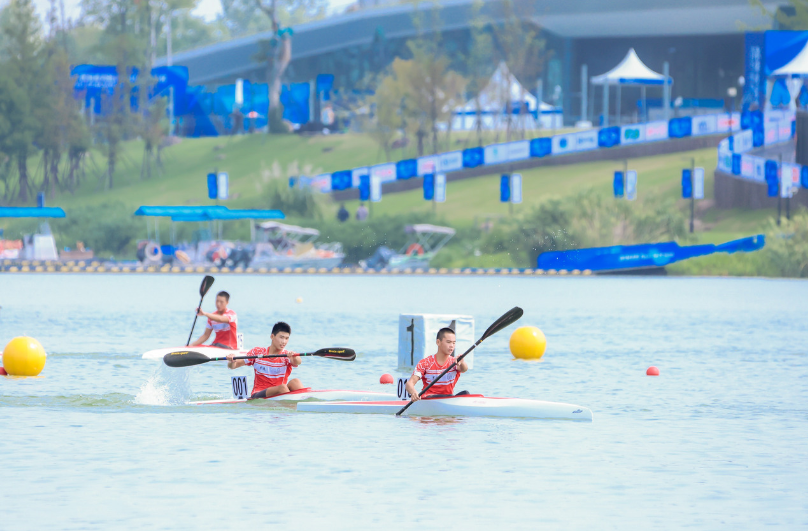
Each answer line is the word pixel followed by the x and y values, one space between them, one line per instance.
pixel 225 332
pixel 428 369
pixel 269 372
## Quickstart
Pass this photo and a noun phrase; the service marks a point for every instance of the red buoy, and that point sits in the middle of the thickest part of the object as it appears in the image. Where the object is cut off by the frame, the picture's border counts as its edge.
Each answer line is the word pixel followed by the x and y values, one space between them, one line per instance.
pixel 652 371
pixel 3 372
pixel 386 379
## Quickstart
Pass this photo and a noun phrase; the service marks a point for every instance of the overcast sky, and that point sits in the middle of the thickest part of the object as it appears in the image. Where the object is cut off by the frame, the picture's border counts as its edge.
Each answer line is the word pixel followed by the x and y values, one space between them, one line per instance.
pixel 207 8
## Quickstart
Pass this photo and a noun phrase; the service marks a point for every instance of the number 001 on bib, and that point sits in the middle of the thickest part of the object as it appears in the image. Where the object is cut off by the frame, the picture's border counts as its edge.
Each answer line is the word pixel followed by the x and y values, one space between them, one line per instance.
pixel 417 333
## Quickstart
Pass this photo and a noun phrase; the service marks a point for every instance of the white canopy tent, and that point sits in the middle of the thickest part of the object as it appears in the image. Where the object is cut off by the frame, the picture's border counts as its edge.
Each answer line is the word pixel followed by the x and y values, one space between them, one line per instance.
pixel 502 94
pixel 795 72
pixel 631 71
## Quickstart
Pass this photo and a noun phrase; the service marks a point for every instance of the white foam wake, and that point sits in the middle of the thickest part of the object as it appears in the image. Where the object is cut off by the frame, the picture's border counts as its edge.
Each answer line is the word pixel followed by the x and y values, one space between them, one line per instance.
pixel 166 387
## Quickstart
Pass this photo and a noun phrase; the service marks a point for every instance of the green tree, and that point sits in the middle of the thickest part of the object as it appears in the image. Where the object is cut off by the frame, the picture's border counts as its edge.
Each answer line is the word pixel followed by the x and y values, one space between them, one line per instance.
pixel 795 18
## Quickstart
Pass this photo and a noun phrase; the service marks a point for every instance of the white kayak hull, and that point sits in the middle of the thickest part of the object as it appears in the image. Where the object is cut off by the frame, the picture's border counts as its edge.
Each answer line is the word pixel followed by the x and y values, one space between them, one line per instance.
pixel 460 406
pixel 211 352
pixel 310 394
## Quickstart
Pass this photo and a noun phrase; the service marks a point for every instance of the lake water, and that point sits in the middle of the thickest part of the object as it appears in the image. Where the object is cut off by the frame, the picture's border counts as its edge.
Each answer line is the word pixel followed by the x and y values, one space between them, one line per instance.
pixel 102 441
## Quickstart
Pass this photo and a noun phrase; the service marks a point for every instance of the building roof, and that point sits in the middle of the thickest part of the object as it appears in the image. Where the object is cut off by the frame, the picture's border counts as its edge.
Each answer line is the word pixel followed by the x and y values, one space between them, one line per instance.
pixel 578 19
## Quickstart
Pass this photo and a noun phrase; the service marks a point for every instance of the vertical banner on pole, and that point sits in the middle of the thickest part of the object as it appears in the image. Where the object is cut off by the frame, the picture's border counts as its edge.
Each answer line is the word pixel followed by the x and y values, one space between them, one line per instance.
pixel 429 187
pixel 440 188
pixel 698 183
pixel 213 187
pixel 618 184
pixel 505 188
pixel 631 185
pixel 222 182
pixel 516 188
pixel 364 187
pixel 687 184
pixel 375 188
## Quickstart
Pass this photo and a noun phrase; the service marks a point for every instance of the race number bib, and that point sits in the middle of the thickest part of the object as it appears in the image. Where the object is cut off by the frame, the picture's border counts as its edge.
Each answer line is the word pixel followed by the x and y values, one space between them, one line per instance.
pixel 240 389
pixel 402 390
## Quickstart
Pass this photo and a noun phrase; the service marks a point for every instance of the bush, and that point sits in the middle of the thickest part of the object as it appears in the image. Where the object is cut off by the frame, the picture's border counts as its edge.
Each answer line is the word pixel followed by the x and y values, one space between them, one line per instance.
pixel 106 228
pixel 787 246
pixel 299 202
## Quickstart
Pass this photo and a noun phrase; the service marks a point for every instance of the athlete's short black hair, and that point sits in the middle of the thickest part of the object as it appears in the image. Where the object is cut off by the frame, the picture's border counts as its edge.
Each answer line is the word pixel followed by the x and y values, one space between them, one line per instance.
pixel 224 294
pixel 280 326
pixel 443 331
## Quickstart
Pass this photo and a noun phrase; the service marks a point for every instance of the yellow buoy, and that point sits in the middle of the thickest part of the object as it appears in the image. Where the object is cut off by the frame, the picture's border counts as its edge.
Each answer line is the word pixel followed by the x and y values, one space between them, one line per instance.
pixel 24 356
pixel 299 300
pixel 528 343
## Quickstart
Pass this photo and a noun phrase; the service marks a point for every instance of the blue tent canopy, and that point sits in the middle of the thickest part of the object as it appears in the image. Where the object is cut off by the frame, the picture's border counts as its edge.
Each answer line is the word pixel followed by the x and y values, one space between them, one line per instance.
pixel 31 212
pixel 230 214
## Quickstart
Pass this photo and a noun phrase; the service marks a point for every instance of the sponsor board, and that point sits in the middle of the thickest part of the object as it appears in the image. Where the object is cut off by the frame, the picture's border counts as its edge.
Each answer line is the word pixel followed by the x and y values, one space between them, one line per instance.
pixel 759 169
pixel 705 125
pixel 451 161
pixel 747 167
pixel 725 160
pixel 426 165
pixel 508 152
pixel 322 183
pixel 385 173
pixel 575 142
pixel 656 130
pixel 771 134
pixel 784 131
pixel 789 179
pixel 743 141
pixel 632 134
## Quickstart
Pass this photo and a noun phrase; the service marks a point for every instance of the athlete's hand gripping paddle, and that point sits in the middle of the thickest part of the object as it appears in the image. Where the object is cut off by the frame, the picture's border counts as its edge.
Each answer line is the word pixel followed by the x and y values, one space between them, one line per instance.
pixel 207 282
pixel 188 358
pixel 507 319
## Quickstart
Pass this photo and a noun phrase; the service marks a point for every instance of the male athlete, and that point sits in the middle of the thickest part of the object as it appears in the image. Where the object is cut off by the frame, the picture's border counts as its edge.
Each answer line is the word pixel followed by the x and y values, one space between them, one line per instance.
pixel 271 374
pixel 430 367
pixel 223 321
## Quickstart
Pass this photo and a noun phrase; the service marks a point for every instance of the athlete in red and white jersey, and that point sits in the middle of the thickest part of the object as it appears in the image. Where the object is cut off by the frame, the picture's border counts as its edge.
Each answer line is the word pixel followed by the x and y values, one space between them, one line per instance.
pixel 271 374
pixel 223 321
pixel 430 368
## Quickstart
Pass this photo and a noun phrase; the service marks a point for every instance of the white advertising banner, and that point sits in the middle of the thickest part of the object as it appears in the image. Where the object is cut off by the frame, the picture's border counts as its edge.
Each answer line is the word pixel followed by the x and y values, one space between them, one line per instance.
pixel 771 133
pixel 375 188
pixel 698 184
pixel 451 161
pixel 357 174
pixel 516 188
pixel 656 130
pixel 742 141
pixel 575 142
pixel 728 122
pixel 385 173
pixel 736 121
pixel 789 179
pixel 322 183
pixel 631 185
pixel 507 152
pixel 747 167
pixel 632 134
pixel 223 186
pixel 725 160
pixel 759 166
pixel 704 125
pixel 784 131
pixel 426 165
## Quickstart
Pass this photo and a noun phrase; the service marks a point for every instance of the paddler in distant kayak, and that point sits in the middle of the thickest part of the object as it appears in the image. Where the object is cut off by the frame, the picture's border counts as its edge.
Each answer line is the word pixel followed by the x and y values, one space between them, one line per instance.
pixel 271 374
pixel 223 321
pixel 430 367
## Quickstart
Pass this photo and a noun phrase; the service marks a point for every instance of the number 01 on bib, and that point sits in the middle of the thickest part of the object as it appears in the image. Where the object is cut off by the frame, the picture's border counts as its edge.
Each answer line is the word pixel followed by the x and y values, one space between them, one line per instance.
pixel 240 389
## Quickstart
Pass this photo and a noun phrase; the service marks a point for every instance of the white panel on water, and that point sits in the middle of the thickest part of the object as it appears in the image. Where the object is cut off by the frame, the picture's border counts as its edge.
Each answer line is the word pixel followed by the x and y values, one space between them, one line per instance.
pixel 417 333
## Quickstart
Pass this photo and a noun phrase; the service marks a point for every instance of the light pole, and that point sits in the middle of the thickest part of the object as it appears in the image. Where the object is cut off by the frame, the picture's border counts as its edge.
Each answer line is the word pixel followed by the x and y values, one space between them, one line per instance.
pixel 732 92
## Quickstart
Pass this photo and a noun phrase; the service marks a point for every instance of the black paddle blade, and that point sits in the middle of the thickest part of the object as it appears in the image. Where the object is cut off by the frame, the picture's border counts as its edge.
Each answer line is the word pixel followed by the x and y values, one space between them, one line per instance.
pixel 184 358
pixel 342 354
pixel 510 317
pixel 207 282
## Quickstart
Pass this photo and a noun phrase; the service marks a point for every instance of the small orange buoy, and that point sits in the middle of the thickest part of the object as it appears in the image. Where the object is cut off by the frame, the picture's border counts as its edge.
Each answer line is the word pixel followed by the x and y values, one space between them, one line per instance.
pixel 652 371
pixel 386 379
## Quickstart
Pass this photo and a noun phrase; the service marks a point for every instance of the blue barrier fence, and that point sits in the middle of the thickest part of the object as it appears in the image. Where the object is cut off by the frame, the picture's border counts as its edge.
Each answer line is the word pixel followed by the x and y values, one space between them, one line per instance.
pixel 758 126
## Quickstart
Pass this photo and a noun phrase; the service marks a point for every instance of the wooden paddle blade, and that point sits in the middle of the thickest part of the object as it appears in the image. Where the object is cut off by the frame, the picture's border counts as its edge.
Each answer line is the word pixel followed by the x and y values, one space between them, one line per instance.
pixel 184 358
pixel 342 354
pixel 510 317
pixel 207 282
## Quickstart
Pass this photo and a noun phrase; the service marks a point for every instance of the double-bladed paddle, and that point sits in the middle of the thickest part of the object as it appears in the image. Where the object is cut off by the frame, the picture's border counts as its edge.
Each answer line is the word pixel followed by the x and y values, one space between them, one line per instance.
pixel 510 317
pixel 188 358
pixel 207 282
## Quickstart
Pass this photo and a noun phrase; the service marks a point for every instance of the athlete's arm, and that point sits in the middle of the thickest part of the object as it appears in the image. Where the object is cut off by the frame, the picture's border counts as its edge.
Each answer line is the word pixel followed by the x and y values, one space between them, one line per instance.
pixel 234 364
pixel 214 316
pixel 204 337
pixel 295 359
pixel 410 387
pixel 462 366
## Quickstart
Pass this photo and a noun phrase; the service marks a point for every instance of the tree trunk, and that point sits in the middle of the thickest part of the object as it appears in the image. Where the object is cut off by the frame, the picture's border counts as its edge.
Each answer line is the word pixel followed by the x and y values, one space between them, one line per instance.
pixel 112 155
pixel 22 168
pixel 278 58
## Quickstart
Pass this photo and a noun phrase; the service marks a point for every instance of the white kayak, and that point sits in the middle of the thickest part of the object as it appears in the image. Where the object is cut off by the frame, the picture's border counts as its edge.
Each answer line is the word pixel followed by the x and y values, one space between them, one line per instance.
pixel 211 352
pixel 310 394
pixel 460 406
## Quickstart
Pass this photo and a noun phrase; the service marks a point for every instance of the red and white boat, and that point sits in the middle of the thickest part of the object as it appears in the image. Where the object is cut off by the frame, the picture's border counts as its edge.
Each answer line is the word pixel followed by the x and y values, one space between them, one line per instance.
pixel 307 393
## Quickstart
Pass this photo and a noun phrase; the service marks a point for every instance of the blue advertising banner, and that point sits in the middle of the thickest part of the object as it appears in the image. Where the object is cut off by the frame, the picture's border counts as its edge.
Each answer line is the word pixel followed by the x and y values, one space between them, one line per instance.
pixel 213 186
pixel 541 147
pixel 640 256
pixel 609 137
pixel 687 184
pixel 406 169
pixel 754 90
pixel 473 157
pixel 364 187
pixel 680 127
pixel 341 180
pixel 295 100
pixel 617 184
pixel 804 177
